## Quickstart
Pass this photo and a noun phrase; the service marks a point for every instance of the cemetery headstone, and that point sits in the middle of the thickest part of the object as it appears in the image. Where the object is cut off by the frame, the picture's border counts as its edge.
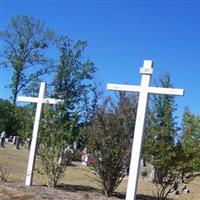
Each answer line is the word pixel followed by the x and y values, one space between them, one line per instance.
pixel 152 173
pixel 185 189
pixel 14 140
pixel 6 140
pixel 84 157
pixel 74 145
pixel 18 142
pixel 3 138
pixel 180 178
pixel 175 188
pixel 144 90
pixel 29 143
pixel 10 139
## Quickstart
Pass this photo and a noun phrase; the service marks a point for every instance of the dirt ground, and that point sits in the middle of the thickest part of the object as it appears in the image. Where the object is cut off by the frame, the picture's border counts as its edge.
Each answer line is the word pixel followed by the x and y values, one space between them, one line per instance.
pixel 10 191
pixel 13 191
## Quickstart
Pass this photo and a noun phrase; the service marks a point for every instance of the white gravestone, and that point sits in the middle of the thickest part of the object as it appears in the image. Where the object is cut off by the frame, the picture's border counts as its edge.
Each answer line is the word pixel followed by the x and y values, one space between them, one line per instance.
pixel 39 100
pixel 144 91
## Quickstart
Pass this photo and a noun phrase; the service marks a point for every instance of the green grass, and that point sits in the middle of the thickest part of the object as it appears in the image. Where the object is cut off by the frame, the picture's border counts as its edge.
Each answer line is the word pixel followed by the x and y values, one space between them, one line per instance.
pixel 16 161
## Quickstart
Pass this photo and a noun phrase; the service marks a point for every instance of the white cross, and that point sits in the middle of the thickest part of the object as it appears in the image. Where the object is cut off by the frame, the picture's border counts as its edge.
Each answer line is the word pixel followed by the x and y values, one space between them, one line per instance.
pixel 143 90
pixel 39 100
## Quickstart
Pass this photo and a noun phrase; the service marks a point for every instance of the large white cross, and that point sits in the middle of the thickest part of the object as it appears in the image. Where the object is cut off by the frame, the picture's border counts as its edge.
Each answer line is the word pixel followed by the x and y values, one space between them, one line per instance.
pixel 143 90
pixel 39 100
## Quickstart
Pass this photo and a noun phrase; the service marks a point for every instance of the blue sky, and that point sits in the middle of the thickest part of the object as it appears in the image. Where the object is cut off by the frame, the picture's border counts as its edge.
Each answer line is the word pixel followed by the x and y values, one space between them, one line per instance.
pixel 121 34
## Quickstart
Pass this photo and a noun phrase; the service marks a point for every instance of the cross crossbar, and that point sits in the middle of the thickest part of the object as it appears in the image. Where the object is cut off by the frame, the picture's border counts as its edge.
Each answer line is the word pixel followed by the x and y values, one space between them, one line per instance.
pixel 151 90
pixel 38 100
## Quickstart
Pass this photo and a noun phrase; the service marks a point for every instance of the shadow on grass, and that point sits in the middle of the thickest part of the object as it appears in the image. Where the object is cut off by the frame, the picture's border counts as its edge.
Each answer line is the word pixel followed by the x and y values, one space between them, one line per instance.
pixel 76 188
pixel 146 197
pixel 81 188
pixel 139 196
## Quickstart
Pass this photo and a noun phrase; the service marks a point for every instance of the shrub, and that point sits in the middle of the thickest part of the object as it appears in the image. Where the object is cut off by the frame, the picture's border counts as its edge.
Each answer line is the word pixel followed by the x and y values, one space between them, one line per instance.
pixel 109 136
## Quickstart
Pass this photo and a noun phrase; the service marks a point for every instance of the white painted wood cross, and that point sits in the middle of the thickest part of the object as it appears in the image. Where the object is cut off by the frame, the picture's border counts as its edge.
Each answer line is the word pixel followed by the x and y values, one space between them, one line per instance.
pixel 39 100
pixel 144 91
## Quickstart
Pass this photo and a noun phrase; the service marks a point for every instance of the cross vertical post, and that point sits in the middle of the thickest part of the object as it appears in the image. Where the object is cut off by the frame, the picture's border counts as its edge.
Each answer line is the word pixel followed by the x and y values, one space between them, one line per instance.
pixel 144 90
pixel 39 100
pixel 31 161
pixel 138 133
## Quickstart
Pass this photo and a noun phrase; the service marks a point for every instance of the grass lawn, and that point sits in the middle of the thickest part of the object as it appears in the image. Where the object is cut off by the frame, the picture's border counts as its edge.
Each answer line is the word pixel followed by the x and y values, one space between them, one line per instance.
pixel 79 182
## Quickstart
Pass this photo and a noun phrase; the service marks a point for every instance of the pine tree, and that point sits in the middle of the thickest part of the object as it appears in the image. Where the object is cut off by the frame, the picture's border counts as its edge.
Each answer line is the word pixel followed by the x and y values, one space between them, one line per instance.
pixel 190 143
pixel 160 136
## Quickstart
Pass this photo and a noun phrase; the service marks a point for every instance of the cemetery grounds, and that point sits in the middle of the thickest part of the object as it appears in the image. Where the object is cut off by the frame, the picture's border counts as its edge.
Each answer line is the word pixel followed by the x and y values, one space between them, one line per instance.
pixel 79 182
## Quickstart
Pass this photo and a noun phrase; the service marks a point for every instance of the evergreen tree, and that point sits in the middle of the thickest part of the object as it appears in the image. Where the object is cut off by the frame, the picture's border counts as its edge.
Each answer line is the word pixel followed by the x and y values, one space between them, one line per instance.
pixel 160 136
pixel 190 143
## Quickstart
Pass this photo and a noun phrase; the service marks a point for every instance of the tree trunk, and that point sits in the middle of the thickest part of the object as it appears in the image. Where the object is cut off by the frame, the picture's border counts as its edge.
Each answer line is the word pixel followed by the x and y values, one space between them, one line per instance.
pixel 16 81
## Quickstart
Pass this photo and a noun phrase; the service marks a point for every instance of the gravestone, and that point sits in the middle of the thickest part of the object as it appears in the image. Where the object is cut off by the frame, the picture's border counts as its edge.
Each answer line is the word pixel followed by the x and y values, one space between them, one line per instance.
pixel 29 143
pixel 18 142
pixel 152 173
pixel 144 90
pixel 74 145
pixel 2 139
pixel 84 157
pixel 14 140
pixel 185 189
pixel 175 188
pixel 181 178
